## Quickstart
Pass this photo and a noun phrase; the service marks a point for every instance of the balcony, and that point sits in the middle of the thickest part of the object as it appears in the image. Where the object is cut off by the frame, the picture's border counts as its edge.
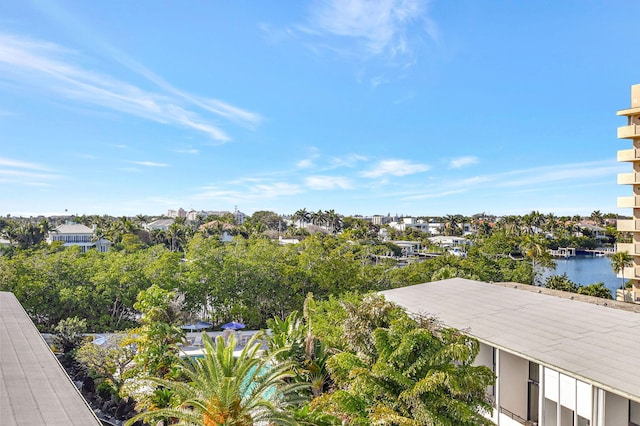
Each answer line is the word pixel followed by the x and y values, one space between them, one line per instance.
pixel 630 202
pixel 629 225
pixel 629 155
pixel 632 131
pixel 628 178
pixel 629 296
pixel 632 249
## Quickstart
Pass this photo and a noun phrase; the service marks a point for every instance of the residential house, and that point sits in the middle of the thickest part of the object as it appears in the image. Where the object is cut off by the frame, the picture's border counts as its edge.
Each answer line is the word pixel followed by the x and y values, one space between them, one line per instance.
pixel 76 234
pixel 160 224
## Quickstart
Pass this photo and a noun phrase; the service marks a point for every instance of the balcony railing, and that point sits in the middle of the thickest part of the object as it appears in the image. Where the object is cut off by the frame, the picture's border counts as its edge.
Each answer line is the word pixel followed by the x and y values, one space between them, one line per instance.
pixel 628 178
pixel 517 418
pixel 628 225
pixel 631 202
pixel 631 131
pixel 631 248
pixel 628 155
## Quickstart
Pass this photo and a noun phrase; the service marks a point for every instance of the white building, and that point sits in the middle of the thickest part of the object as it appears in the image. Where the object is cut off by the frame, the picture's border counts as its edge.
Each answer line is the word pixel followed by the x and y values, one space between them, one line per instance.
pixel 76 234
pixel 161 224
pixel 560 358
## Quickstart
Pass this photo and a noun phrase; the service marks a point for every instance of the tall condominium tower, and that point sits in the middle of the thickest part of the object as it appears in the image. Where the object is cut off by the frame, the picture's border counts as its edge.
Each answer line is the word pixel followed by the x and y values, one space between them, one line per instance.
pixel 631 131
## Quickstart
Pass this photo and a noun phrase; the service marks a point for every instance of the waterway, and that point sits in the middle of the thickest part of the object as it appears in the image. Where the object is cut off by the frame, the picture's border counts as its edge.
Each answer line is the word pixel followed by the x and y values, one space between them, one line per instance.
pixel 585 270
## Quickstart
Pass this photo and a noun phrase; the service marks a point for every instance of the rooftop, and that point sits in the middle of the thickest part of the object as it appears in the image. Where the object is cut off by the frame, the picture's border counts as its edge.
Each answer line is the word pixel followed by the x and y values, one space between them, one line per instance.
pixel 34 388
pixel 73 228
pixel 595 342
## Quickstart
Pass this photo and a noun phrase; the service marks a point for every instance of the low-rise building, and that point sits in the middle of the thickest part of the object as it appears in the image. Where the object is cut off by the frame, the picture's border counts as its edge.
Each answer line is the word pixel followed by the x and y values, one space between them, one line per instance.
pixel 559 358
pixel 160 224
pixel 76 234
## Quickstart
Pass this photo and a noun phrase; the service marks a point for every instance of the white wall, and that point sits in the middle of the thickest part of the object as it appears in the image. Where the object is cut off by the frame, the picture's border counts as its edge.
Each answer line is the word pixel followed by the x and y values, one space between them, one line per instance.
pixel 514 374
pixel 616 410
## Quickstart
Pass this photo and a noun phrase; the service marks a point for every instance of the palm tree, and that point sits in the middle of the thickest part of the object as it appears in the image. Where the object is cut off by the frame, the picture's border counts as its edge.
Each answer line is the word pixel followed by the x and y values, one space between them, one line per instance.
pixel 302 216
pixel 333 220
pixel 597 217
pixel 222 389
pixel 511 225
pixel 318 218
pixel 452 224
pixel 619 261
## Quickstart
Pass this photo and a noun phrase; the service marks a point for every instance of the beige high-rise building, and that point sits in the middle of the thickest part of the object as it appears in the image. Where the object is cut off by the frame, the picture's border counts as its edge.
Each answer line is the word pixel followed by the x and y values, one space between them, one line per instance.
pixel 631 131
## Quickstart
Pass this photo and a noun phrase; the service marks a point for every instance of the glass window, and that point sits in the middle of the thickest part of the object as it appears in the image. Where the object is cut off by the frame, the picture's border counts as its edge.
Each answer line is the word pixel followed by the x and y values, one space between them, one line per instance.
pixel 634 413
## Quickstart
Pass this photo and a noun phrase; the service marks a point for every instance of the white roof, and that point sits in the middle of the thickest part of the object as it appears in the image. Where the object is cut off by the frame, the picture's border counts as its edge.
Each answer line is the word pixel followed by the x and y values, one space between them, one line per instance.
pixel 595 343
pixel 73 228
pixel 160 223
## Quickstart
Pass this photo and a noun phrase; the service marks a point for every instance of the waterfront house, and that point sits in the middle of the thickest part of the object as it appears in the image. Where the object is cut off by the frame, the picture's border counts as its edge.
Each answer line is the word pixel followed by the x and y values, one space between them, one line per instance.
pixel 76 234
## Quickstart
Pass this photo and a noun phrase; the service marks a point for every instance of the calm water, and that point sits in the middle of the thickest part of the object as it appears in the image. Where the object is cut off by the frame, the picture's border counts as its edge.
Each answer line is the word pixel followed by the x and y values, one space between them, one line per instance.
pixel 586 270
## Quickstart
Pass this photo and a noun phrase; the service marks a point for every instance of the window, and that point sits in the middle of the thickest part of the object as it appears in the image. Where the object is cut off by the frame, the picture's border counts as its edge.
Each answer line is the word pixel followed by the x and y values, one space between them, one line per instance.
pixel 634 413
pixel 533 390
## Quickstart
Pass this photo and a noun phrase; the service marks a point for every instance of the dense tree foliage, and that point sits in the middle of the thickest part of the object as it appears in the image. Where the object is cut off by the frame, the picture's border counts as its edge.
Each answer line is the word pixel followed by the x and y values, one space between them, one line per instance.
pixel 223 389
pixel 254 278
pixel 396 370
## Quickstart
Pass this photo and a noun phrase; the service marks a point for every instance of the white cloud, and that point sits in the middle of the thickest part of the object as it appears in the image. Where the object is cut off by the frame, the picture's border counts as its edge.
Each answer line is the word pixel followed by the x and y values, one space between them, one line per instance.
pixel 150 164
pixel 258 192
pixel 558 173
pixel 382 26
pixel 435 194
pixel 459 162
pixel 304 164
pixel 347 161
pixel 25 173
pixel 191 151
pixel 521 181
pixel 49 68
pixel 395 168
pixel 327 182
pixel 8 162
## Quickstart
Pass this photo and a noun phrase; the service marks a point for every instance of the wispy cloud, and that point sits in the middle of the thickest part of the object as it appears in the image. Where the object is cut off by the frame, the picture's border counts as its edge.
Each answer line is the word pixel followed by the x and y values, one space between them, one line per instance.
pixel 328 182
pixel 149 164
pixel 382 27
pixel 260 191
pixel 533 179
pixel 395 168
pixel 25 173
pixel 191 151
pixel 52 68
pixel 304 164
pixel 349 160
pixel 8 162
pixel 459 162
pixel 558 173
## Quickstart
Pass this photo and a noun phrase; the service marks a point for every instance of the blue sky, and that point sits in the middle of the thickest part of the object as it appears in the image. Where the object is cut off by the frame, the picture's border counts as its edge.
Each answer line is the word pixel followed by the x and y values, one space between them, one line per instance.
pixel 365 107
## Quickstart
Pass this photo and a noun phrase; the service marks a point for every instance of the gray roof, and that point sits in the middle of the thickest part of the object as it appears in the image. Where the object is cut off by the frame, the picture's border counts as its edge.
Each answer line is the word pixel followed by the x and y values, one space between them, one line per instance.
pixel 34 388
pixel 160 223
pixel 596 343
pixel 73 228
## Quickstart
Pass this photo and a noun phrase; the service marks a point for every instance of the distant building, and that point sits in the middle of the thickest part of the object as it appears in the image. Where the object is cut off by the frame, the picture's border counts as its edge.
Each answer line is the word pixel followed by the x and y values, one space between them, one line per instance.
pixel 161 224
pixel 76 234
pixel 177 213
pixel 631 131
pixel 596 231
pixel 380 220
pixel 195 215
